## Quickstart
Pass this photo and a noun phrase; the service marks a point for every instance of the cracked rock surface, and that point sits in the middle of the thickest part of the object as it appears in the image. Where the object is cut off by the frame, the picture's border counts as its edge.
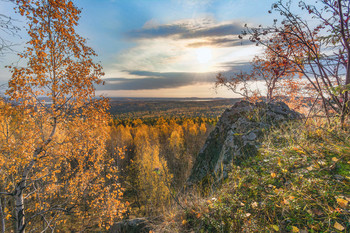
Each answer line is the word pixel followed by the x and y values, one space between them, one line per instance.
pixel 236 136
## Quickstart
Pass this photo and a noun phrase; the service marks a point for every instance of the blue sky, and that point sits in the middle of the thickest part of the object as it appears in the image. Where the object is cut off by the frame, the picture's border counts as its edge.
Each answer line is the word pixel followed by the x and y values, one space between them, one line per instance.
pixel 165 48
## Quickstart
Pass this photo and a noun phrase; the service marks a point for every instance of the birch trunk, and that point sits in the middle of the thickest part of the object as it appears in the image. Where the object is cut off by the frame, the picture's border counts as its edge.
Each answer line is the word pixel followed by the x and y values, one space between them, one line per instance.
pixel 2 216
pixel 20 220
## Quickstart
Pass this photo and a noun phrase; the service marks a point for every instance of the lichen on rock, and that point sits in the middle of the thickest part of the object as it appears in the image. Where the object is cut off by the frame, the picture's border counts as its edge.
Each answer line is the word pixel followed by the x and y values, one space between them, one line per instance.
pixel 236 136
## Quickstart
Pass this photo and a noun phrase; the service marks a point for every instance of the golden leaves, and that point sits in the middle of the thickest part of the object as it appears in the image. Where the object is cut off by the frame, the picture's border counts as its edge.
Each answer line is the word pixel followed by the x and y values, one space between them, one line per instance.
pixel 70 167
pixel 342 202
pixel 295 229
pixel 275 227
pixel 338 226
pixel 48 51
pixel 335 159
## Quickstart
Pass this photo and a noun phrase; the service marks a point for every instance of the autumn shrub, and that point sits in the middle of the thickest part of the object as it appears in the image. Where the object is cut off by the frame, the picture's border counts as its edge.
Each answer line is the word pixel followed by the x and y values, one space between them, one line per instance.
pixel 299 182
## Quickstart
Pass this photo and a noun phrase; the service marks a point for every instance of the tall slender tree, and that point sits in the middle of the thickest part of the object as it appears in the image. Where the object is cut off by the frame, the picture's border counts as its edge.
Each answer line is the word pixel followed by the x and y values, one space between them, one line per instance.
pixel 60 165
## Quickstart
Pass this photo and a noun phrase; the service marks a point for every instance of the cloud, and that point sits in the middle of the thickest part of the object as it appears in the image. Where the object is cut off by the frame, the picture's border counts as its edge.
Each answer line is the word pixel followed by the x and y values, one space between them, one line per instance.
pixel 187 29
pixel 156 80
pixel 196 3
pixel 173 47
pixel 157 31
pixel 216 31
pixel 165 56
pixel 219 42
pixel 147 80
pixel 235 66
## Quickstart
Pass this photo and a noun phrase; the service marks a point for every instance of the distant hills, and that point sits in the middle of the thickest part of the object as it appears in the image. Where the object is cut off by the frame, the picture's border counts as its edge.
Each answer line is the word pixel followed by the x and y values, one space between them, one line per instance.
pixel 169 107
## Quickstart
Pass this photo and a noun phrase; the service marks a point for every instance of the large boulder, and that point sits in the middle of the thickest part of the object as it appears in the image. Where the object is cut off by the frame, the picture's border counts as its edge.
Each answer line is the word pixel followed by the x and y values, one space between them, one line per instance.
pixel 136 225
pixel 235 137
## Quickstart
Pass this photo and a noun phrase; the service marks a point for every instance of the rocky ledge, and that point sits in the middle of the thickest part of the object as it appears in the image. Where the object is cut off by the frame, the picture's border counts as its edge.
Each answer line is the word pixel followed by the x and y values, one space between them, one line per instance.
pixel 235 137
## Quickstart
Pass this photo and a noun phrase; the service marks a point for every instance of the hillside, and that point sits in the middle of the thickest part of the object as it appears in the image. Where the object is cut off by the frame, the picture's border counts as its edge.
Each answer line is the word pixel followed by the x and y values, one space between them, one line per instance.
pixel 298 182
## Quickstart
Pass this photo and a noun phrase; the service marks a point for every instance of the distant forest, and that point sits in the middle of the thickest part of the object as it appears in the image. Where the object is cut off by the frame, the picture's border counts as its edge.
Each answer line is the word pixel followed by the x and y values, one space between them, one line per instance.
pixel 153 108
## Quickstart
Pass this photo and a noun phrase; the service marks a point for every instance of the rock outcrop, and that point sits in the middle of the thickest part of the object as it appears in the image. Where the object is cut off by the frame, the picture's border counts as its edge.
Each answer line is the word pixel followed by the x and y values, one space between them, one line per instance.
pixel 136 225
pixel 236 136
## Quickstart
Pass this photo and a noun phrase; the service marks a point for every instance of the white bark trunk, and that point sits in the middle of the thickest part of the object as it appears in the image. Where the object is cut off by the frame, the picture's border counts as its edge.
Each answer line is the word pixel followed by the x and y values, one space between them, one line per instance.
pixel 2 216
pixel 18 194
pixel 19 202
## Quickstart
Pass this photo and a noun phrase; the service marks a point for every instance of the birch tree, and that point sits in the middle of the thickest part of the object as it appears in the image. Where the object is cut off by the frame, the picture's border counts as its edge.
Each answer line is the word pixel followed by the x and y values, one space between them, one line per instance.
pixel 58 173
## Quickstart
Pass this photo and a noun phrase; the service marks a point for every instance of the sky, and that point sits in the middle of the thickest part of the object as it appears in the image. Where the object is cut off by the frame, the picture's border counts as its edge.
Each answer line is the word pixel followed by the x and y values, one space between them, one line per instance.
pixel 163 48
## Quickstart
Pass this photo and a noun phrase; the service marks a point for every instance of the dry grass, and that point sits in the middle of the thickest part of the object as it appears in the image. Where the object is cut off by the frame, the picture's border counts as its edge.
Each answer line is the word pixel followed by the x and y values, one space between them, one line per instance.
pixel 299 182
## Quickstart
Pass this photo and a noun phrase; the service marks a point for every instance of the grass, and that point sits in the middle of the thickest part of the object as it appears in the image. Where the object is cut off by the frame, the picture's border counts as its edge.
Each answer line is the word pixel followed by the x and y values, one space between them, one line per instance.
pixel 299 182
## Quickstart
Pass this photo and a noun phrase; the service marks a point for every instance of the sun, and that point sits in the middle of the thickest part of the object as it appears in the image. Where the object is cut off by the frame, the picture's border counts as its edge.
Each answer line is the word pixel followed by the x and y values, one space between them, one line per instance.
pixel 203 55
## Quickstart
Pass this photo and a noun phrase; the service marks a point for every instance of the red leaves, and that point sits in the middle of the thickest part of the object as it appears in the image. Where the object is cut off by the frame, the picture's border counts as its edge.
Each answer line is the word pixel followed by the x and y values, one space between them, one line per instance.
pixel 347 19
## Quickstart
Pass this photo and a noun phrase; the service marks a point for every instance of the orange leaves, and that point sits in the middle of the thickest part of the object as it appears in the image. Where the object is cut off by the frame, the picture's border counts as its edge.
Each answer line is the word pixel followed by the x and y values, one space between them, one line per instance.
pixel 53 42
pixel 338 226
pixel 63 137
pixel 342 202
pixel 277 71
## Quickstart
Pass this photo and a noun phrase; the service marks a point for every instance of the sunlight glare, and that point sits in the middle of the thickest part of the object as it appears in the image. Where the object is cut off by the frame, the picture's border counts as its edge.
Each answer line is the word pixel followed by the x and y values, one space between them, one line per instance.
pixel 203 55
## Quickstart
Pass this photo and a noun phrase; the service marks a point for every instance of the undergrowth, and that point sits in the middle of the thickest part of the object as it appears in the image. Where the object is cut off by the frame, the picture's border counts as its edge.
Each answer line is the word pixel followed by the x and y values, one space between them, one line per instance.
pixel 299 182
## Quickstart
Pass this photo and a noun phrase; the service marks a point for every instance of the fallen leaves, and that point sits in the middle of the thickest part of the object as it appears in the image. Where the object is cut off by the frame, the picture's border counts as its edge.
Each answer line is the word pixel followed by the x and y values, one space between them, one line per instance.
pixel 295 229
pixel 343 203
pixel 275 227
pixel 334 159
pixel 254 205
pixel 338 226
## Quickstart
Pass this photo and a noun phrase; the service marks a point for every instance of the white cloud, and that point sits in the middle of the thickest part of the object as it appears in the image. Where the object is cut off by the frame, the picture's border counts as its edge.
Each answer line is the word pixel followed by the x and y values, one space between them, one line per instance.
pixel 157 52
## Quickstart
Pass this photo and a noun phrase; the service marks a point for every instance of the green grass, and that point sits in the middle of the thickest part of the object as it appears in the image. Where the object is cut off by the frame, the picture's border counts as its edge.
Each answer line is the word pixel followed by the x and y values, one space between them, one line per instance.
pixel 299 182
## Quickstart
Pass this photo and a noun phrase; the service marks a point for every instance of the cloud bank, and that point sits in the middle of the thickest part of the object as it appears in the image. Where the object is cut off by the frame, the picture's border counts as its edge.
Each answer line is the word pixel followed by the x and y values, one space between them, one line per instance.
pixel 147 80
pixel 186 30
pixel 207 29
pixel 164 55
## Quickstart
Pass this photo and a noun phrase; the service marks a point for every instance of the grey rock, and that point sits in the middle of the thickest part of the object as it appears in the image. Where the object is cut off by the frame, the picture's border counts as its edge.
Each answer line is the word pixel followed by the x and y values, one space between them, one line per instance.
pixel 236 137
pixel 251 136
pixel 137 225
